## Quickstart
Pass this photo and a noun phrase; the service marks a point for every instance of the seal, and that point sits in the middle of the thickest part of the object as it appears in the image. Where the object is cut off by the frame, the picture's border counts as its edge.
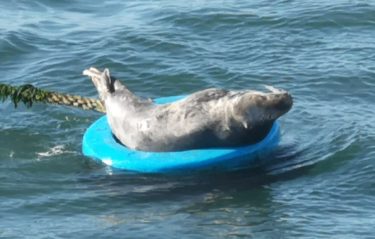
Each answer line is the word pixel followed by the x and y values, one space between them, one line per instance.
pixel 205 119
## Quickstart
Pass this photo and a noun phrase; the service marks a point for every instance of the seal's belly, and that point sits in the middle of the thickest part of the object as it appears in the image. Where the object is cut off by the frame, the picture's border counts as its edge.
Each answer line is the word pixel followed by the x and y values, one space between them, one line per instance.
pixel 234 138
pixel 207 138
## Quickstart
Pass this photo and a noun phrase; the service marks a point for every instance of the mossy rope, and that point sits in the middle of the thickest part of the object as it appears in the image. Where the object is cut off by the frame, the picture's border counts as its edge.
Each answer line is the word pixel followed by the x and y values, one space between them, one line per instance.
pixel 28 94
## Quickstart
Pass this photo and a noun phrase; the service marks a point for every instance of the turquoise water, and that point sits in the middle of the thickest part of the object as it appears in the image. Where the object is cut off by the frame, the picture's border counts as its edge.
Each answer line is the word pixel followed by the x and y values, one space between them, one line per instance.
pixel 318 184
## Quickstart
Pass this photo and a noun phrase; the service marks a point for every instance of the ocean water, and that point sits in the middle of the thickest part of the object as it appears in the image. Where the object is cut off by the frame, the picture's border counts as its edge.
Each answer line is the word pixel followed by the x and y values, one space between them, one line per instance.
pixel 318 184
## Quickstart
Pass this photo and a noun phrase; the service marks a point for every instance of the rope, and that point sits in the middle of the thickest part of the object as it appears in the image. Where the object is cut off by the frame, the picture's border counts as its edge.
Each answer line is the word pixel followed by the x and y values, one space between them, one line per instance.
pixel 28 94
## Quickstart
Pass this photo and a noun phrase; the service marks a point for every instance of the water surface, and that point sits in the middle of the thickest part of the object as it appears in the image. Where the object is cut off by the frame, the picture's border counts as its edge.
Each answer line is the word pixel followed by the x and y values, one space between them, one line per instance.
pixel 318 184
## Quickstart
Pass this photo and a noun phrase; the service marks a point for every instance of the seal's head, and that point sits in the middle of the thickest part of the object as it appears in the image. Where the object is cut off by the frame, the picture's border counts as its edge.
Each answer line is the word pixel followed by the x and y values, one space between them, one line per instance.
pixel 256 108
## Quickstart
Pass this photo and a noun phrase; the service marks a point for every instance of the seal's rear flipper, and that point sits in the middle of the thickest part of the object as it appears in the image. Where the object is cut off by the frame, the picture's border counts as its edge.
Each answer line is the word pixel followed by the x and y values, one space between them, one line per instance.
pixel 107 84
pixel 102 81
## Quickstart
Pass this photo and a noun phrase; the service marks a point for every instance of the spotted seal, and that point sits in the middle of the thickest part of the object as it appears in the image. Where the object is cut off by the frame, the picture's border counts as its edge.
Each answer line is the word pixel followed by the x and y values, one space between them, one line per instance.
pixel 204 119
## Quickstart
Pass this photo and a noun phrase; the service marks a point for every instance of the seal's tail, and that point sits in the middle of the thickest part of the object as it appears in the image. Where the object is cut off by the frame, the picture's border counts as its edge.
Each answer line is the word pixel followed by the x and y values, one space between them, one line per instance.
pixel 102 81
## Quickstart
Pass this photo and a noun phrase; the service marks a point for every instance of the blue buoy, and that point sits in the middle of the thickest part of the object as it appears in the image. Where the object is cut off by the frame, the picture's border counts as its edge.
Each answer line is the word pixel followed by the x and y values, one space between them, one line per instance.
pixel 99 144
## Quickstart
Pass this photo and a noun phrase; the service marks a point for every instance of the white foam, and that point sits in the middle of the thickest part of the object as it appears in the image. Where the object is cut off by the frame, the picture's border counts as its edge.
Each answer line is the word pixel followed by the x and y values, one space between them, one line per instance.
pixel 107 161
pixel 55 150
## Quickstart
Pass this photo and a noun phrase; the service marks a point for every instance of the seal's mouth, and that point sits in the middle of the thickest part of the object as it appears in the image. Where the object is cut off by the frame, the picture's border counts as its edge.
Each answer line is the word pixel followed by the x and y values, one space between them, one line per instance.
pixel 270 105
pixel 274 101
pixel 283 102
pixel 278 101
pixel 262 108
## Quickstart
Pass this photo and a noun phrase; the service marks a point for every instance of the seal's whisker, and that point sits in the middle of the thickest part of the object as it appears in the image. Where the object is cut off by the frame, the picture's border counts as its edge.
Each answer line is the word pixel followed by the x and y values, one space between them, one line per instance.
pixel 274 89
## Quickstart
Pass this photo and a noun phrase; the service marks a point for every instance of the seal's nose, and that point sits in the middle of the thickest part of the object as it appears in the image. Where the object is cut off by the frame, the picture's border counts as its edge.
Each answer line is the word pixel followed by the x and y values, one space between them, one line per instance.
pixel 283 102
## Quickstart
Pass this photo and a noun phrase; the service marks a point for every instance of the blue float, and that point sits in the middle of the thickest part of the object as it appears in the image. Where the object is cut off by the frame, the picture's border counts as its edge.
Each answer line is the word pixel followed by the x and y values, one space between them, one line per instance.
pixel 99 144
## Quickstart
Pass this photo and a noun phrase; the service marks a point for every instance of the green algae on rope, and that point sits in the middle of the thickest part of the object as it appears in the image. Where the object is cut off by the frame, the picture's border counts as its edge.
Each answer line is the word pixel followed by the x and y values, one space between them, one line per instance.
pixel 28 94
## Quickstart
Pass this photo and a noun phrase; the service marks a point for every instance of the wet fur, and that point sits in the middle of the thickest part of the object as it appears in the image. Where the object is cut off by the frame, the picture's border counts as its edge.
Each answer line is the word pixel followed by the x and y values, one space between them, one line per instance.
pixel 205 119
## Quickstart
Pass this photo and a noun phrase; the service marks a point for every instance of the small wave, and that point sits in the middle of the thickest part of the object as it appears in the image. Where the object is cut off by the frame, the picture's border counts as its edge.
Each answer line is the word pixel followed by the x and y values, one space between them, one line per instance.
pixel 17 43
pixel 323 147
pixel 54 151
